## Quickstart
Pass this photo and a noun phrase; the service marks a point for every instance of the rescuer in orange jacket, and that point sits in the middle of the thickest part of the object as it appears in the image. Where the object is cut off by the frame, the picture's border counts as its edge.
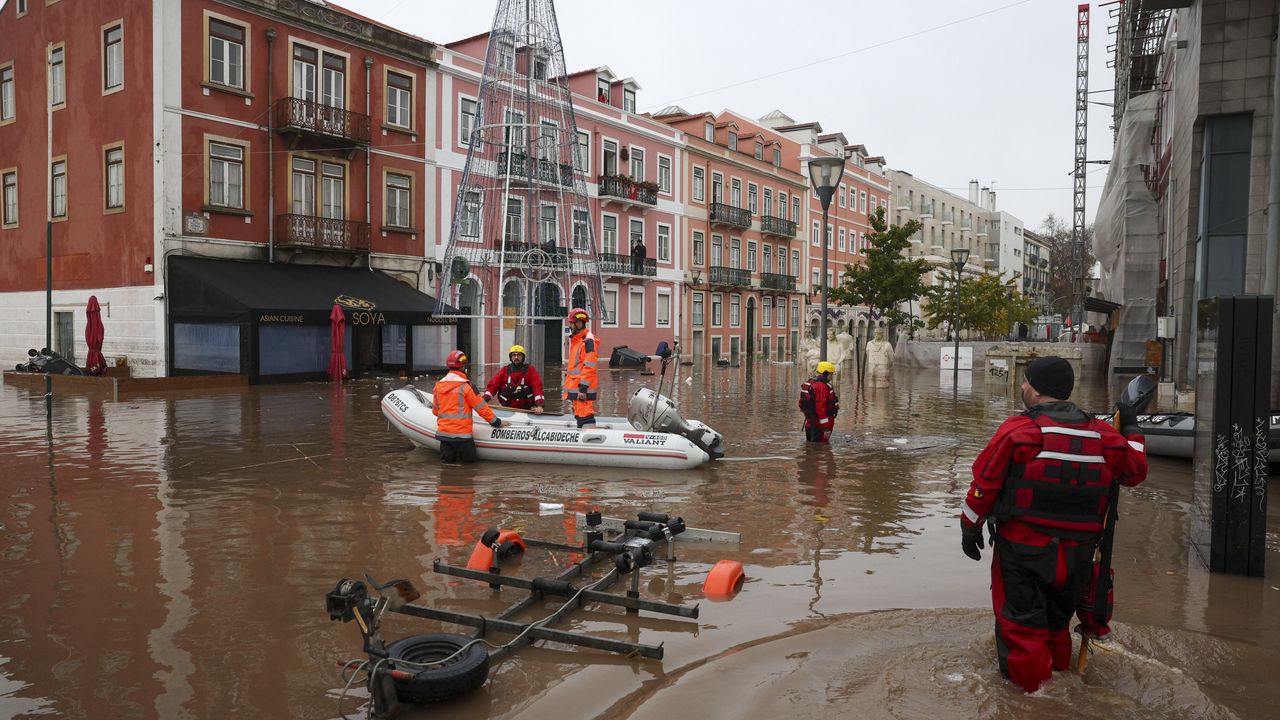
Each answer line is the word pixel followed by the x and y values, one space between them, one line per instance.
pixel 820 404
pixel 1046 478
pixel 453 402
pixel 580 370
pixel 517 385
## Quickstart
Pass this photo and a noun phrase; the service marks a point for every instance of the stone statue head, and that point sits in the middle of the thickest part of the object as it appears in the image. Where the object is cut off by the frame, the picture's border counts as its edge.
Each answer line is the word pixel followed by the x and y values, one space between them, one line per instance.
pixel 879 335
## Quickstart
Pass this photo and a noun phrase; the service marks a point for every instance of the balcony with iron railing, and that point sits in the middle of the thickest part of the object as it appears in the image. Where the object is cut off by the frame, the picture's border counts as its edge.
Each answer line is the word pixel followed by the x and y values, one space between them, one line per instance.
pixel 615 264
pixel 309 231
pixel 722 214
pixel 620 187
pixel 307 117
pixel 519 165
pixel 780 227
pixel 775 281
pixel 721 275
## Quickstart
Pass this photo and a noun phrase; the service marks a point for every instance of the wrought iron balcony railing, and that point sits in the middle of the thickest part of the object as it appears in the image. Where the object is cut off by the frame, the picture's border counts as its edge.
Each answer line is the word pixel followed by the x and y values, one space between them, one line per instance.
pixel 774 281
pixel 625 188
pixel 315 118
pixel 730 215
pixel 781 227
pixel 617 264
pixel 721 275
pixel 519 164
pixel 322 233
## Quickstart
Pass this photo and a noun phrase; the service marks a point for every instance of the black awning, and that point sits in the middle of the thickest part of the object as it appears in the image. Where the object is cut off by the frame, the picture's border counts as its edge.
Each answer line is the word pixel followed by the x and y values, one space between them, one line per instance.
pixel 240 291
pixel 1098 305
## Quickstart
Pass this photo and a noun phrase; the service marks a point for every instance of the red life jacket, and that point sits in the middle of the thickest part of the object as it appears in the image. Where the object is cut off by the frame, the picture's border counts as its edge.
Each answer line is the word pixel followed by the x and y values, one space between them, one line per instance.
pixel 515 387
pixel 1063 490
pixel 809 404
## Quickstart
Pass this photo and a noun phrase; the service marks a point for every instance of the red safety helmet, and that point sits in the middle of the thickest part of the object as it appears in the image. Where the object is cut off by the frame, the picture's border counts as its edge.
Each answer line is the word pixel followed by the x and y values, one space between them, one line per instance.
pixel 579 314
pixel 456 360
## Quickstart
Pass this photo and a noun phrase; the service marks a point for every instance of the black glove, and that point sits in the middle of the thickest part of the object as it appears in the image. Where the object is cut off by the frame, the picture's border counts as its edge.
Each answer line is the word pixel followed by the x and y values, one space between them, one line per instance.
pixel 1128 421
pixel 971 541
pixel 583 389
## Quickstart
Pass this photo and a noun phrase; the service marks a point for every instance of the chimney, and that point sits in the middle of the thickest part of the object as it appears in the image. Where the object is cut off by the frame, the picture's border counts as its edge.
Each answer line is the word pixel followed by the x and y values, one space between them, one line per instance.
pixel 984 200
pixel 973 192
pixel 993 200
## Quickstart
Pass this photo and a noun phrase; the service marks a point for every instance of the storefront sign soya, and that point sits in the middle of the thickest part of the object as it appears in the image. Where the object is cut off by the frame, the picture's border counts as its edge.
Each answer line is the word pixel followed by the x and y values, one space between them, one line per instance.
pixel 359 312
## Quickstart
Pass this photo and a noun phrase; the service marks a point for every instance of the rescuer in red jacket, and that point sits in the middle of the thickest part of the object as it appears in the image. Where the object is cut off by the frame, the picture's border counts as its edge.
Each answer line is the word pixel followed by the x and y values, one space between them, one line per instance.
pixel 1045 479
pixel 819 403
pixel 517 385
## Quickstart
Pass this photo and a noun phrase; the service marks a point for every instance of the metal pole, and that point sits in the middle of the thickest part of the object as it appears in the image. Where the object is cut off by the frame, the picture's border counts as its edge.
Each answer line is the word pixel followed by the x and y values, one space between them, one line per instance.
pixel 48 230
pixel 822 326
pixel 955 330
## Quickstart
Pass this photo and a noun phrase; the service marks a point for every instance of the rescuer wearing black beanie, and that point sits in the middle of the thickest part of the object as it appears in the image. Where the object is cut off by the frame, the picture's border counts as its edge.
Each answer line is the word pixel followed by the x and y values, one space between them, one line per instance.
pixel 1051 377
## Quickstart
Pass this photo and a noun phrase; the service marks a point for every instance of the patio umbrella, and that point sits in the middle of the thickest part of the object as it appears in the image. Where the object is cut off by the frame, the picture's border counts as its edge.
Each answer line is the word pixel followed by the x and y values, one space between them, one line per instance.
pixel 95 363
pixel 337 345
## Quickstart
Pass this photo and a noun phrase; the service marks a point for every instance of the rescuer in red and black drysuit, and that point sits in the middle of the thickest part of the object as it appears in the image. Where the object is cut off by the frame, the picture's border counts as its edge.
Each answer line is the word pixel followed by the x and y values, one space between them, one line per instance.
pixel 1045 478
pixel 820 404
pixel 517 385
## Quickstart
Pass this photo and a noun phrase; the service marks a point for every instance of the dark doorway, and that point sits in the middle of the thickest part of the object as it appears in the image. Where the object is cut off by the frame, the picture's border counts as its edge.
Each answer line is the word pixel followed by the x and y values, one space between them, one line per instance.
pixel 751 327
pixel 366 349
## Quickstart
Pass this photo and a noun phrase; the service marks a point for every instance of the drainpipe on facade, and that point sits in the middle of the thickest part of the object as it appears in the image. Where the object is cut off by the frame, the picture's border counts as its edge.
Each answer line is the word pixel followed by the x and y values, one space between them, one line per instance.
pixel 368 164
pixel 271 133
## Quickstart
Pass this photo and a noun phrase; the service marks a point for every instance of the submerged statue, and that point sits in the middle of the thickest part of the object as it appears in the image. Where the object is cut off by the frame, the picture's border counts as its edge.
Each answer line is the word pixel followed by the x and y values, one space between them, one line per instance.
pixel 846 343
pixel 879 359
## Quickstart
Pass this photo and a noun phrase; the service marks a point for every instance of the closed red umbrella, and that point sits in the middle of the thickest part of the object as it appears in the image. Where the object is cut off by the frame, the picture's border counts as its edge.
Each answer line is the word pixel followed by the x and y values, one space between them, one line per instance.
pixel 337 345
pixel 95 363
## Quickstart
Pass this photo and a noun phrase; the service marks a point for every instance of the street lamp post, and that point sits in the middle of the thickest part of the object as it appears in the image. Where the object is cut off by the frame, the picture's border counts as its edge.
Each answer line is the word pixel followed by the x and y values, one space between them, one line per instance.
pixel 825 174
pixel 959 256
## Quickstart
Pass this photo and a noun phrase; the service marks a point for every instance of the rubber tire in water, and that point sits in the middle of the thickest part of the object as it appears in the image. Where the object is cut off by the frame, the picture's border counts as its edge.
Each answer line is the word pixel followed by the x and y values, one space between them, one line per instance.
pixel 460 676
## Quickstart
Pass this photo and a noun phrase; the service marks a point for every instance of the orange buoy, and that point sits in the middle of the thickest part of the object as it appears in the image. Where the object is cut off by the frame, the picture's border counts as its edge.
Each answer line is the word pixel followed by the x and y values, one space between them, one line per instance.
pixel 507 543
pixel 724 581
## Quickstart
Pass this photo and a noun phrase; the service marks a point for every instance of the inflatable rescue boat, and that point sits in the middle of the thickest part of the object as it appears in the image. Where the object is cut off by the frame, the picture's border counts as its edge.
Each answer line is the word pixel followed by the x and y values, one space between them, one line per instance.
pixel 653 435
pixel 1174 434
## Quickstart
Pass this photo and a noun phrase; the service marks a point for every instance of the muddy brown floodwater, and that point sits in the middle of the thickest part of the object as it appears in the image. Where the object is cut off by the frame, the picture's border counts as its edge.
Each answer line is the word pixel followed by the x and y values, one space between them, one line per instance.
pixel 168 558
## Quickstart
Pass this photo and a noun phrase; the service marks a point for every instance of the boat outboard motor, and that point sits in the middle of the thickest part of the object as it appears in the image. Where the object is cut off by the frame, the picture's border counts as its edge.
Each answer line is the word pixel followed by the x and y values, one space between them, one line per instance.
pixel 651 412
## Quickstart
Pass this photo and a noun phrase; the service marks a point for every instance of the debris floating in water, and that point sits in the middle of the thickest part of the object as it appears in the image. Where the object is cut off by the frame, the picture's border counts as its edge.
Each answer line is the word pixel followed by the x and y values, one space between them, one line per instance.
pixel 550 508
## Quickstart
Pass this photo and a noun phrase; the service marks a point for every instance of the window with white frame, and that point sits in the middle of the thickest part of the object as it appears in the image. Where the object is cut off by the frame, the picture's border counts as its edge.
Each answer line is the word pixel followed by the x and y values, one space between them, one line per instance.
pixel 840 192
pixel 580 224
pixel 782 261
pixel 114 174
pixel 777 157
pixel 399 100
pixel 609 165
pixel 602 90
pixel 816 279
pixel 767 256
pixel 22 8
pixel 398 193
pixel 751 255
pixel 548 141
pixel 699 311
pixel 635 307
pixel 663 308
pixel 226 175
pixel 664 174
pixel 853 198
pixel 830 235
pixel 733 140
pixel 470 226
pixel 766 312
pixel 610 307
pixel 735 192
pixel 113 57
pixel 767 208
pixel 831 278
pixel 717 187
pixel 548 225
pixel 753 196
pixel 795 209
pixel 735 253
pixel 9 198
pixel 333 195
pixel 664 243
pixel 862 201
pixel 709 132
pixel 813 235
pixel 699 247
pixel 467 109
pixel 637 164
pixel 872 206
pixel 717 250
pixel 717 310
pixel 628 100
pixel 782 205
pixel 513 130
pixel 59 208
pixel 699 182
pixel 782 313
pixel 57 78
pixel 303 180
pixel 8 102
pixel 226 53
pixel 795 263
pixel 735 310
pixel 636 234
pixel 609 234
pixel 842 245
pixel 795 313
pixel 506 57
pixel 513 232
pixel 582 152
pixel 759 151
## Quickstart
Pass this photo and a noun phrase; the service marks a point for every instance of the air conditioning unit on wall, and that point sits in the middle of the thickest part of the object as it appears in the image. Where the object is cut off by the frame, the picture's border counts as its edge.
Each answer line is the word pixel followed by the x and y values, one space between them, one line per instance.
pixel 1165 327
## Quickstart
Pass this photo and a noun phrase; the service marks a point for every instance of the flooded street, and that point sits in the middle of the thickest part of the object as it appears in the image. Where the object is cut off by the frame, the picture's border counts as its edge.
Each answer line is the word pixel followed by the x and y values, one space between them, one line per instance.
pixel 168 558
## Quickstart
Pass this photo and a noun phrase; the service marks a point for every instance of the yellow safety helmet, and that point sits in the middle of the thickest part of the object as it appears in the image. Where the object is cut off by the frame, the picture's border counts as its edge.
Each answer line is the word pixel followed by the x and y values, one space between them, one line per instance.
pixel 826 367
pixel 516 349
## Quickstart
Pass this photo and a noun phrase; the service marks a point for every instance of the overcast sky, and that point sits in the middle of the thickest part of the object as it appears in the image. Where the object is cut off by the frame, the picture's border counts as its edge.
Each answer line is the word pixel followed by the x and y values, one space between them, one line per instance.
pixel 948 91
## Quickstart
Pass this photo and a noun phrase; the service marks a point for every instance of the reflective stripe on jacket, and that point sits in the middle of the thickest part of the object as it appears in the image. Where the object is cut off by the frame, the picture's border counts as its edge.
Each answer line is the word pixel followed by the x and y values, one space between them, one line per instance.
pixel 453 402
pixel 584 356
pixel 819 403
pixel 1051 470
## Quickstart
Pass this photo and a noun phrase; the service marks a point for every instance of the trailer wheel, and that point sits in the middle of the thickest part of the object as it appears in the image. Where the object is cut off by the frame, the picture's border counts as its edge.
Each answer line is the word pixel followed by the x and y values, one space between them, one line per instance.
pixel 458 676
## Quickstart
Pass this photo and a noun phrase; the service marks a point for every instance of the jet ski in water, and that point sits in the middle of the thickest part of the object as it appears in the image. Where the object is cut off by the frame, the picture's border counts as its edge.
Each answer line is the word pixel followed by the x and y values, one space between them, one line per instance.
pixel 653 435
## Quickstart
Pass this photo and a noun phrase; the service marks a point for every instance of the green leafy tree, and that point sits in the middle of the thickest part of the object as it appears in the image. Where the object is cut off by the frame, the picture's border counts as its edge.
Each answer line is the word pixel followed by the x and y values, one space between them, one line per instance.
pixel 1069 259
pixel 888 278
pixel 988 305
